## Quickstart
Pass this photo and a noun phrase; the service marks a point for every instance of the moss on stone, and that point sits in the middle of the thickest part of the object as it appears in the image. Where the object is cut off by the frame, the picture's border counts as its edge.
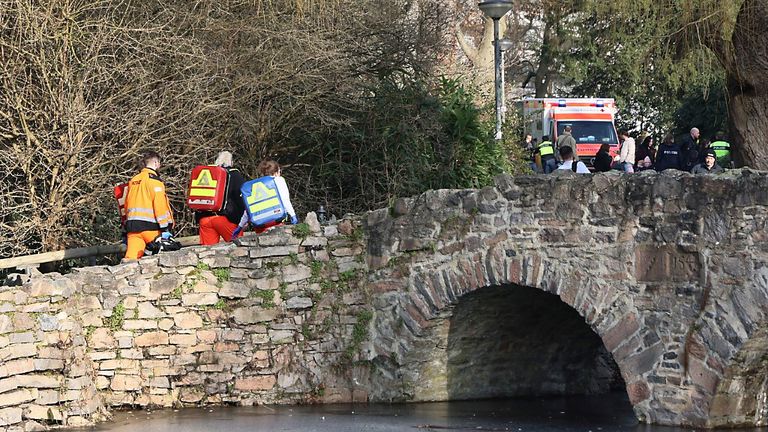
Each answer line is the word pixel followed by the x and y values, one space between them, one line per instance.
pixel 301 230
pixel 115 321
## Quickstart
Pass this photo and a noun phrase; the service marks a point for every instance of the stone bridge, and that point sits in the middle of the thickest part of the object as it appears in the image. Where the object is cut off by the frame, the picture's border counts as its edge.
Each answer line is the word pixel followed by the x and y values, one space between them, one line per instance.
pixel 544 285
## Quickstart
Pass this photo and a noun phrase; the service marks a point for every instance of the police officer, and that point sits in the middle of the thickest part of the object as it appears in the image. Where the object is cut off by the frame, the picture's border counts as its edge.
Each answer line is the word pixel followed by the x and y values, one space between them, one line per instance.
pixel 722 150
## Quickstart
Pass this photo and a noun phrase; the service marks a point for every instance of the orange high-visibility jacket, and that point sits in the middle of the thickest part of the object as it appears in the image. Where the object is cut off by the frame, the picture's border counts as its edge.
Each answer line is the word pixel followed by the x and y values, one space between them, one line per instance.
pixel 146 205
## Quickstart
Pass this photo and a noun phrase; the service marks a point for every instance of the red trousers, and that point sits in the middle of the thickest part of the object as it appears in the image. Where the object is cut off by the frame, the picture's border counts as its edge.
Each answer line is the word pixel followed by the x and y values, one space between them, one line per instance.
pixel 212 228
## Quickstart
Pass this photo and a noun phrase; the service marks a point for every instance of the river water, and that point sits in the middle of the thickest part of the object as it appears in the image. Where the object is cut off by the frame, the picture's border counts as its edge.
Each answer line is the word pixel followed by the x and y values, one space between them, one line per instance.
pixel 573 414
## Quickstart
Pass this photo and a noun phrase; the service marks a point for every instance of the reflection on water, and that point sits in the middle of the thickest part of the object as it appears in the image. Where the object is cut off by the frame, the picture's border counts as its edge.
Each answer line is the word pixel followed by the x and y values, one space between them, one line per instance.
pixel 595 413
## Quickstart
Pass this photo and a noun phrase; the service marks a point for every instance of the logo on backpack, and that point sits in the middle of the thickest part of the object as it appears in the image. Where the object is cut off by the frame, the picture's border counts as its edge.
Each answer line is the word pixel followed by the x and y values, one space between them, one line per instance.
pixel 262 201
pixel 208 188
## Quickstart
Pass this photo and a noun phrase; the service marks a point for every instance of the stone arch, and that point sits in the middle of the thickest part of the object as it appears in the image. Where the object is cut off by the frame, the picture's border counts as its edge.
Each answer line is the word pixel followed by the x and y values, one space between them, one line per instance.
pixel 434 289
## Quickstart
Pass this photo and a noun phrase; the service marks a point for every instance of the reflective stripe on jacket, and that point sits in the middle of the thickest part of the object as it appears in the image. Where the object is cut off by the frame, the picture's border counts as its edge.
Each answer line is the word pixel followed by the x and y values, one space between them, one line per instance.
pixel 546 148
pixel 721 148
pixel 146 204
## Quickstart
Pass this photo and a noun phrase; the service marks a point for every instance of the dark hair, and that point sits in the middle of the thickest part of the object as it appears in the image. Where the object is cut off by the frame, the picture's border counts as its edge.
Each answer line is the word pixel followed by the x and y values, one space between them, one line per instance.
pixel 269 168
pixel 623 132
pixel 567 128
pixel 566 151
pixel 647 141
pixel 669 138
pixel 545 138
pixel 605 147
pixel 149 157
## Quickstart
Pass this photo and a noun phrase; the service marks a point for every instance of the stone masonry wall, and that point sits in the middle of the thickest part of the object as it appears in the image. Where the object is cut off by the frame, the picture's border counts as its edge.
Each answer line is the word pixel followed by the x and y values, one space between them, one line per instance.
pixel 278 320
pixel 669 270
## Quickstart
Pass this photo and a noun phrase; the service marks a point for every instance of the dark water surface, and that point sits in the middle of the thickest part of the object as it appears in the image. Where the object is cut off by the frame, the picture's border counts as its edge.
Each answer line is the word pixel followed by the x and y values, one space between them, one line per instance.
pixel 582 414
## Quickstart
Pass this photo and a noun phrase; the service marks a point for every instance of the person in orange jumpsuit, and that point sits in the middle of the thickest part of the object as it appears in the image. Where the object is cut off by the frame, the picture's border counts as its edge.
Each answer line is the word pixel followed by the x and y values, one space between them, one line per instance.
pixel 215 226
pixel 148 212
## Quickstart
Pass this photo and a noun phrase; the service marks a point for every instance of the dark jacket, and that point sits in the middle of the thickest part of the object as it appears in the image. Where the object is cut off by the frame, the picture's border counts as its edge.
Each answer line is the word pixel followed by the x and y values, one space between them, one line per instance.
pixel 702 169
pixel 690 151
pixel 234 207
pixel 642 152
pixel 669 156
pixel 603 161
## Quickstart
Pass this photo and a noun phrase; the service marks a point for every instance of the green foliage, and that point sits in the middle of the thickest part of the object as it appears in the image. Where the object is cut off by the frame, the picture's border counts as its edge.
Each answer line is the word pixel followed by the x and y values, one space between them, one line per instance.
pixel 662 67
pixel 359 333
pixel 425 136
pixel 703 108
pixel 220 305
pixel 115 321
pixel 176 293
pixel 201 266
pixel 267 297
pixel 301 230
pixel 316 267
pixel 222 275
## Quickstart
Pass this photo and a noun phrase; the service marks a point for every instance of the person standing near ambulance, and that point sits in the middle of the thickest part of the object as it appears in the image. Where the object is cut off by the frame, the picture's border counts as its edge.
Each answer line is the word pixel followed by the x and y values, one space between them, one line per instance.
pixel 148 212
pixel 214 226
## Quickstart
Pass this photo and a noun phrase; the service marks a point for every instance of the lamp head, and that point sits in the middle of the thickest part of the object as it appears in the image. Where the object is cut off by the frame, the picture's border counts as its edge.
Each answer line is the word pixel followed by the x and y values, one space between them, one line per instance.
pixel 495 8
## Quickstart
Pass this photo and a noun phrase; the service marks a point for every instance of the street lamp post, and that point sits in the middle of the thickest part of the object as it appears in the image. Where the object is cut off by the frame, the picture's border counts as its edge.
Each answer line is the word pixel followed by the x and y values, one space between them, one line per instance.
pixel 495 9
pixel 506 44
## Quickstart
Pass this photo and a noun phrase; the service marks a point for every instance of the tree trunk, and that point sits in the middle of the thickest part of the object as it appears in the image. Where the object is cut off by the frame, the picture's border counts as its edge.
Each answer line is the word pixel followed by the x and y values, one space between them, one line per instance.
pixel 746 65
pixel 543 80
pixel 482 57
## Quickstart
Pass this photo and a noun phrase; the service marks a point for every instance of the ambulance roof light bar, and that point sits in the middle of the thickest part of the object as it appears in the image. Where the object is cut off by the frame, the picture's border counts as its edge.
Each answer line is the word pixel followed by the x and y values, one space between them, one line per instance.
pixel 600 103
pixel 561 103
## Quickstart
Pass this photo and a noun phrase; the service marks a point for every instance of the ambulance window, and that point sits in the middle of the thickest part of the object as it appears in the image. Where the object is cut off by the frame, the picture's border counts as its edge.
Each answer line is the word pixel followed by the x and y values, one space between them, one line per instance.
pixel 591 132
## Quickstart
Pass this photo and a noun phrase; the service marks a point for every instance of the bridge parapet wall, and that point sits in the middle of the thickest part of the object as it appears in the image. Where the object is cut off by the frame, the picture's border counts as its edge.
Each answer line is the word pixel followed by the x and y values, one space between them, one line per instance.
pixel 668 269
pixel 279 320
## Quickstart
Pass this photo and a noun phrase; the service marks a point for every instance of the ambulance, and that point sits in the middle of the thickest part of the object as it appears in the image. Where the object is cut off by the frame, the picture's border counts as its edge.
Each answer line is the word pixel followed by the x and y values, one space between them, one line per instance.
pixel 591 121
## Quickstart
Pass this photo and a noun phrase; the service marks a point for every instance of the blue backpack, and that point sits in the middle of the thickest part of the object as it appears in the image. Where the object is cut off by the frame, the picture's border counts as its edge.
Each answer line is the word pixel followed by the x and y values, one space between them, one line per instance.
pixel 262 201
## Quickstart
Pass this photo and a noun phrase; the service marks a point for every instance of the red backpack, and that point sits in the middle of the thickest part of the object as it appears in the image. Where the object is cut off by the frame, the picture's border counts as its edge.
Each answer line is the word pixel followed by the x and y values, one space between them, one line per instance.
pixel 121 191
pixel 207 189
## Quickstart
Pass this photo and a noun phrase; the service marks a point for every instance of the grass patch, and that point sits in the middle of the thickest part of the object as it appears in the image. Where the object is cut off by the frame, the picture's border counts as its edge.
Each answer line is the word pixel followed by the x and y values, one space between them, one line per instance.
pixel 317 268
pixel 301 230
pixel 359 334
pixel 267 297
pixel 222 275
pixel 115 322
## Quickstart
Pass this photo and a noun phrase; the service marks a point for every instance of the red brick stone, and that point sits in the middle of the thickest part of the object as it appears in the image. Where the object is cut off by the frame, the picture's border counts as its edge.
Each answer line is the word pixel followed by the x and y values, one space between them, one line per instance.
pixel 702 376
pixel 625 328
pixel 638 391
pixel 515 272
pixel 695 349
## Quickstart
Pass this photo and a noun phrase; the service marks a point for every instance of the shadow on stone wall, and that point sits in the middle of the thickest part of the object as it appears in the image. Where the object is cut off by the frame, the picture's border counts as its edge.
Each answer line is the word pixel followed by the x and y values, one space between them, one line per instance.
pixel 508 341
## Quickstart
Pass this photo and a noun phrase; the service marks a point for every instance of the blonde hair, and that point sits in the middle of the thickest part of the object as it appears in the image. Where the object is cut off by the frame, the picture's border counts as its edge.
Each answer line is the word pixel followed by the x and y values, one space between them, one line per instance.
pixel 269 168
pixel 224 159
